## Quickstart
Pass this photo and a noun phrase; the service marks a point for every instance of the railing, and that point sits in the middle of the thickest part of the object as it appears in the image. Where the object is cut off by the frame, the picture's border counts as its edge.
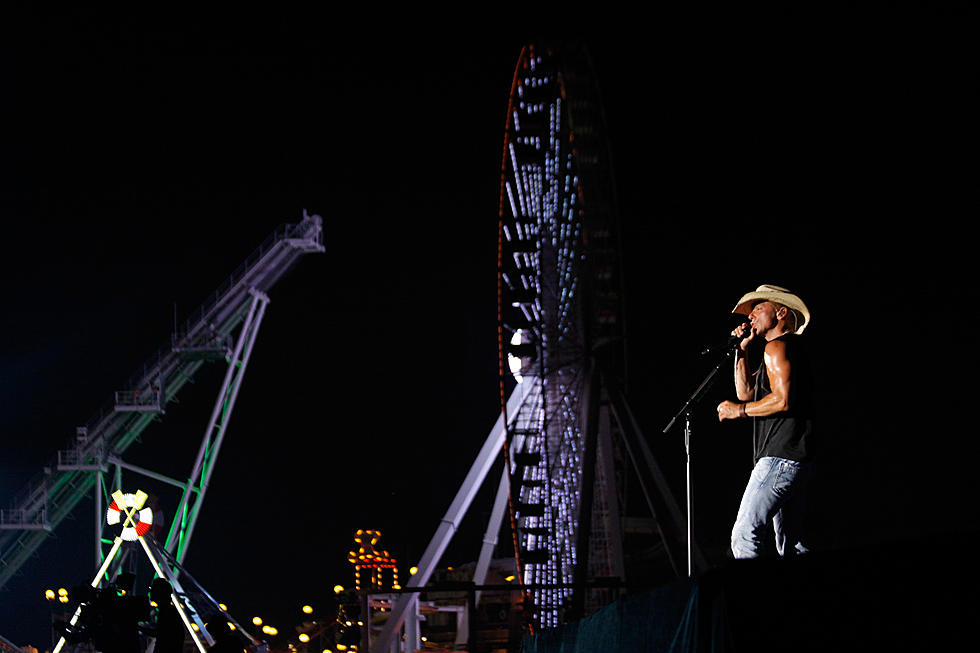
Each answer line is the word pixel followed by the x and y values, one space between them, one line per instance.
pixel 136 400
pixel 92 456
pixel 6 646
pixel 24 519
pixel 282 232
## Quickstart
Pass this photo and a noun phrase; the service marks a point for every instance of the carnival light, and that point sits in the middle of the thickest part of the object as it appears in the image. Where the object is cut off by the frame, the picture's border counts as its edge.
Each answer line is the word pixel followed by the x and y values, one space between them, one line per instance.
pixel 369 558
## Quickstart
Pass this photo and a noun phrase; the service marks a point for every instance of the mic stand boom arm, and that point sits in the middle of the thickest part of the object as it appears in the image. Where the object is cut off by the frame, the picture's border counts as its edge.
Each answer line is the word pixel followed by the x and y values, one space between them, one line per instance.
pixel 686 410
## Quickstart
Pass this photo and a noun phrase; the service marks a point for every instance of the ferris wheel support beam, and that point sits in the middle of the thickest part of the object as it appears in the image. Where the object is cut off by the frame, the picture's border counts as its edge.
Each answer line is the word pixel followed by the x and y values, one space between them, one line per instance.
pixel 593 390
pixel 457 510
pixel 606 477
pixel 660 500
pixel 496 520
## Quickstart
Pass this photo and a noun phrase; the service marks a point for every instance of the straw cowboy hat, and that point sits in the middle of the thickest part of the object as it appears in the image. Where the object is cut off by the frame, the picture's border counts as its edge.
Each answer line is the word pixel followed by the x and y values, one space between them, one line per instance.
pixel 767 293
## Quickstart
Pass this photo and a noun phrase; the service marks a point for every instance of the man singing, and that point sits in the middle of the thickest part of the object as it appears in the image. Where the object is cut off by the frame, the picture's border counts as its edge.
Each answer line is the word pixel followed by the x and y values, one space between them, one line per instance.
pixel 779 398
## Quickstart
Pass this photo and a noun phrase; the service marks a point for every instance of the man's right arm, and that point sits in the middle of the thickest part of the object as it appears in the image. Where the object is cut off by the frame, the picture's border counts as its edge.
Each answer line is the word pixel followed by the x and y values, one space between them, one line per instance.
pixel 744 383
pixel 744 388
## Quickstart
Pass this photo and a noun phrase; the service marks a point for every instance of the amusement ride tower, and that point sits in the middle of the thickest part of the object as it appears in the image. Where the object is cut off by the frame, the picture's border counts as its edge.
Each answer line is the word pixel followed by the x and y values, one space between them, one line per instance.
pixel 223 329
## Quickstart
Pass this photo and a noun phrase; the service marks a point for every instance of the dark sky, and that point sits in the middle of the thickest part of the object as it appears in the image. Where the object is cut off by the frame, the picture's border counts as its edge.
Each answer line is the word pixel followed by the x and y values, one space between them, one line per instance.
pixel 144 158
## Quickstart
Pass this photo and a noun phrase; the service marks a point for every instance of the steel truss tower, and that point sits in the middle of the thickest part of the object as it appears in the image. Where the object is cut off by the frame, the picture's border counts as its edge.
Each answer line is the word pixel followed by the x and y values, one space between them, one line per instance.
pixel 223 328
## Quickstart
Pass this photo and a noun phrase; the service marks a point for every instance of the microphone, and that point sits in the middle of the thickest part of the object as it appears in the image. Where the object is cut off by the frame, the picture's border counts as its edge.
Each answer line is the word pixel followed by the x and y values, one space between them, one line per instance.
pixel 732 341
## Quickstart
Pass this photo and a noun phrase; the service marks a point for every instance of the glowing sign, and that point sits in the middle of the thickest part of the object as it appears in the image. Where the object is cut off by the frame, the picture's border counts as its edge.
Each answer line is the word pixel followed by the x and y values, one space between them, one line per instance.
pixel 368 558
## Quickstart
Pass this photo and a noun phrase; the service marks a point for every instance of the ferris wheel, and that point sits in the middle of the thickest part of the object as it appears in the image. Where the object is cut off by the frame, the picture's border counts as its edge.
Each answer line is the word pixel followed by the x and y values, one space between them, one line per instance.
pixel 559 307
pixel 565 429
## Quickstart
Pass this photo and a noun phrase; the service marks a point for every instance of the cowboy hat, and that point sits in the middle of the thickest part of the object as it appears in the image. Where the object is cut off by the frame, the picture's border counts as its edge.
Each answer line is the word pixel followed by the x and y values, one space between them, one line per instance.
pixel 767 293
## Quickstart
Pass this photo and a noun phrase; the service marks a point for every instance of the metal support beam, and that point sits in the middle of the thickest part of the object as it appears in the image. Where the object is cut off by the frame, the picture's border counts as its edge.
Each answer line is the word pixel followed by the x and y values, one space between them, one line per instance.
pixel 120 463
pixel 457 510
pixel 606 473
pixel 496 520
pixel 590 429
pixel 99 518
pixel 186 515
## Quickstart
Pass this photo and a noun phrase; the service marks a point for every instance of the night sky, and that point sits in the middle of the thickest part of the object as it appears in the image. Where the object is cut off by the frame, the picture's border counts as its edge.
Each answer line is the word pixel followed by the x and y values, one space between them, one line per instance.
pixel 144 158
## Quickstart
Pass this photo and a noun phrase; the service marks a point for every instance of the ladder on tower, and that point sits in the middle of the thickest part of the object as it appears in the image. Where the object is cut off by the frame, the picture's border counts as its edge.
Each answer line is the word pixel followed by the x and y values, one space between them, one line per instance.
pixel 223 327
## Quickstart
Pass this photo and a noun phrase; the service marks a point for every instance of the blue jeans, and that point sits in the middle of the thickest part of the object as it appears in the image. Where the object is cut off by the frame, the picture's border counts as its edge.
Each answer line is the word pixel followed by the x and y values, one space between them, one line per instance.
pixel 774 494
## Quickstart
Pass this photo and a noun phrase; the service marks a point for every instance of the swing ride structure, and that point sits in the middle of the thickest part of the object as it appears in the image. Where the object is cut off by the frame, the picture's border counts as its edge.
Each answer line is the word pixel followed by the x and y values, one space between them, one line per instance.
pixel 569 443
pixel 196 609
pixel 224 329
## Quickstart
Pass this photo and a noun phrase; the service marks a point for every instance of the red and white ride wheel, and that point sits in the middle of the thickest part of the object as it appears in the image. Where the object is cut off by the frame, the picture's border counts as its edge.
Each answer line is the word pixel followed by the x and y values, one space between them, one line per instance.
pixel 138 525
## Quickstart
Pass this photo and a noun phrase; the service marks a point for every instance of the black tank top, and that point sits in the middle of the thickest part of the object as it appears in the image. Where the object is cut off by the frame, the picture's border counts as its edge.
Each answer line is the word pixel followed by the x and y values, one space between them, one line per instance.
pixel 788 434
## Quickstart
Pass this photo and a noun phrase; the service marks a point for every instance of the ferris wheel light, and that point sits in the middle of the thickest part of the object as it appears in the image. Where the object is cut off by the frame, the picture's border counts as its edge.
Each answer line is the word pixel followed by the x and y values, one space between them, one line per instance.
pixel 542 293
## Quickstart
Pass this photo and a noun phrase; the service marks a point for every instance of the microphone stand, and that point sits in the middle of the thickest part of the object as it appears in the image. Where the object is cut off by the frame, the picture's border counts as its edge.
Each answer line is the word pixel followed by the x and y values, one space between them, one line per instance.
pixel 686 410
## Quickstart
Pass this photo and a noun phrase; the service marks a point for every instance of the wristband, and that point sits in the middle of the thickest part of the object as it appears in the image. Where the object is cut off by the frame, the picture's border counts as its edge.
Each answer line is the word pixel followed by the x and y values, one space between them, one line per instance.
pixel 741 411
